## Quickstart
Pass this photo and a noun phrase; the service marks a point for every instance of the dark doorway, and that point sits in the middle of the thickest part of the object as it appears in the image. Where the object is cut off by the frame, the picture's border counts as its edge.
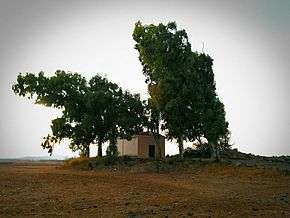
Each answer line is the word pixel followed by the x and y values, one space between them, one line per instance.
pixel 152 151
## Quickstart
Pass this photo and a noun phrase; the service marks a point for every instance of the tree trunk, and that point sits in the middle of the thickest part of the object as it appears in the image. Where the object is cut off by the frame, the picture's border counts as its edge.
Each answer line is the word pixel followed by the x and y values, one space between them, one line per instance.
pixel 199 140
pixel 87 151
pixel 112 149
pixel 156 136
pixel 180 146
pixel 156 139
pixel 214 152
pixel 100 153
pixel 218 157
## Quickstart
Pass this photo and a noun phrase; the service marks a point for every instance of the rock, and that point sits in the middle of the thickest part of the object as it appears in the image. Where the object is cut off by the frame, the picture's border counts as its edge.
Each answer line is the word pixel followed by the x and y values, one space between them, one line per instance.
pixel 237 164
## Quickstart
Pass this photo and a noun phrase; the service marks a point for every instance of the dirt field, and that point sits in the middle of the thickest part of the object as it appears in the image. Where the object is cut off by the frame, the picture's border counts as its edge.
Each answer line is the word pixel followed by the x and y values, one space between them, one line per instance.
pixel 207 191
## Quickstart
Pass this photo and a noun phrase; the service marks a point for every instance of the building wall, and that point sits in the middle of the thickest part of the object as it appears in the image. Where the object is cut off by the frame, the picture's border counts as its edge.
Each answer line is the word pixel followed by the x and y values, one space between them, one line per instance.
pixel 126 147
pixel 139 146
pixel 143 145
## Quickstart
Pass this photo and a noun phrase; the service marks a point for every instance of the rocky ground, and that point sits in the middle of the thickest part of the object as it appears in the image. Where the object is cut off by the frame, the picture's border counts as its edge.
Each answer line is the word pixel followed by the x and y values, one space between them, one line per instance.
pixel 242 159
pixel 202 190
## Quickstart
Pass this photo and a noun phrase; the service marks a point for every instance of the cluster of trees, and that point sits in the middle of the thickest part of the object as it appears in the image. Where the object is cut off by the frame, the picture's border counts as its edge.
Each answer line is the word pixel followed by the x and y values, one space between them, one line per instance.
pixel 183 101
pixel 92 112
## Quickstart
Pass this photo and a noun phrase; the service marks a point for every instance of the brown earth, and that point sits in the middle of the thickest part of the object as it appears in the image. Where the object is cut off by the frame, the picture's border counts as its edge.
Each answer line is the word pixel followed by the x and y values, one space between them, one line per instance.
pixel 205 191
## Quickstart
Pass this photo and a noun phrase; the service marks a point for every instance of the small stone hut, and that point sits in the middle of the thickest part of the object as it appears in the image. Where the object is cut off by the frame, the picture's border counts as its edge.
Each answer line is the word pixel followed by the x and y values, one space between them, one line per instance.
pixel 142 145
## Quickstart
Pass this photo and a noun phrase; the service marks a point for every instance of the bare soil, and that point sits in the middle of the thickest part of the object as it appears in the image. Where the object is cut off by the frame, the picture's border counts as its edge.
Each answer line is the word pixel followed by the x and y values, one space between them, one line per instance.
pixel 209 190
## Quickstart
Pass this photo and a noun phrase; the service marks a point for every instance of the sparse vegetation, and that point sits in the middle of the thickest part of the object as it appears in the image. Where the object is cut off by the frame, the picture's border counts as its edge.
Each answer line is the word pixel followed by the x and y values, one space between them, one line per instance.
pixel 193 159
pixel 78 163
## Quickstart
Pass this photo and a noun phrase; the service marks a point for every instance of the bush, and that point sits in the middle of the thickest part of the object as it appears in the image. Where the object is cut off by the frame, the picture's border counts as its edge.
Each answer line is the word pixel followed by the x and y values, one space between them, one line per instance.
pixel 96 162
pixel 79 162
pixel 110 160
pixel 191 153
pixel 203 151
pixel 125 159
pixel 112 151
pixel 101 162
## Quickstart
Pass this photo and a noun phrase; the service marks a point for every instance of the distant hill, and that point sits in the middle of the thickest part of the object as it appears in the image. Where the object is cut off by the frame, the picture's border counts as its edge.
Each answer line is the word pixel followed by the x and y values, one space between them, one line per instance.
pixel 33 159
pixel 37 158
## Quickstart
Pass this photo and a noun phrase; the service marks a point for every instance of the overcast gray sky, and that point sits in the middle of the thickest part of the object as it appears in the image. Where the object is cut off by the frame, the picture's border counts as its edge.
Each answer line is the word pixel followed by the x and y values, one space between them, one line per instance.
pixel 248 40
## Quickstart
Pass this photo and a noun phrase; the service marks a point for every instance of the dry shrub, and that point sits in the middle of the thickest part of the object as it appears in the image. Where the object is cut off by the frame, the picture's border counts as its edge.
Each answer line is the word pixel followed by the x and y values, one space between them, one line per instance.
pixel 78 162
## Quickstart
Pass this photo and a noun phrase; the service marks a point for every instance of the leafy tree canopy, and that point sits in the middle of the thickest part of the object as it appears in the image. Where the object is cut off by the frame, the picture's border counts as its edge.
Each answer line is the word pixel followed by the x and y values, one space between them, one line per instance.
pixel 181 84
pixel 92 112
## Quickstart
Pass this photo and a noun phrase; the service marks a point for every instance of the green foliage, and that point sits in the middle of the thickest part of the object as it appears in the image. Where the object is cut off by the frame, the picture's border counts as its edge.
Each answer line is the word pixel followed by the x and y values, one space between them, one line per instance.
pixel 112 150
pixel 224 142
pixel 203 151
pixel 182 97
pixel 181 84
pixel 93 112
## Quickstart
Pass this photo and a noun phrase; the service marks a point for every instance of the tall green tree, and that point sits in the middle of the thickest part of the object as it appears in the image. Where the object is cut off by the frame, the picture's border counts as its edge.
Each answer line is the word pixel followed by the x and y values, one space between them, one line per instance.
pixel 164 53
pixel 183 82
pixel 212 123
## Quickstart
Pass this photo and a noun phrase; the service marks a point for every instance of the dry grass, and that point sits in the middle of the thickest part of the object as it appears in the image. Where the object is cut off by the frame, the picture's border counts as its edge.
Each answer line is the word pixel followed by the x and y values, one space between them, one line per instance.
pixel 78 162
